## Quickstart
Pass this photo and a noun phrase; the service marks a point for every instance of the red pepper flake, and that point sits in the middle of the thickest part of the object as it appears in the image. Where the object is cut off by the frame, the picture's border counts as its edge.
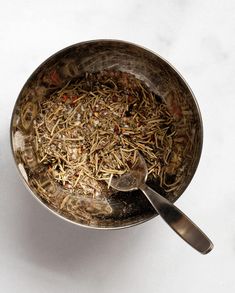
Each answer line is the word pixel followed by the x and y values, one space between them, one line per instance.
pixel 115 98
pixel 130 99
pixel 55 77
pixel 116 129
pixel 176 110
pixel 74 99
pixel 64 98
pixel 173 106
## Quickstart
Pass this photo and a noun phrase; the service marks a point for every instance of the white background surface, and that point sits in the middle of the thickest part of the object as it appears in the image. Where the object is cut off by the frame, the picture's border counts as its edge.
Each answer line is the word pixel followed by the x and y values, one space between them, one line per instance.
pixel 41 253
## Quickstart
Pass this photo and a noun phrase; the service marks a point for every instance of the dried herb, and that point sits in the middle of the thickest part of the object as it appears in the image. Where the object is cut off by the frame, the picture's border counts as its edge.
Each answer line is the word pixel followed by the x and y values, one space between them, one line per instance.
pixel 92 128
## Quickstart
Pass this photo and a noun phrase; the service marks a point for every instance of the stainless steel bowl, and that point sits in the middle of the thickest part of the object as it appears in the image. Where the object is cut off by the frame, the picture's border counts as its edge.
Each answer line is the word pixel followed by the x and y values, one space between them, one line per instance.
pixel 120 210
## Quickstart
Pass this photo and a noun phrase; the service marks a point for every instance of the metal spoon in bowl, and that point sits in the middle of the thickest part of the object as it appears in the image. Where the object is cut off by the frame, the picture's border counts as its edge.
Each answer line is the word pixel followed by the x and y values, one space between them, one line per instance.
pixel 177 220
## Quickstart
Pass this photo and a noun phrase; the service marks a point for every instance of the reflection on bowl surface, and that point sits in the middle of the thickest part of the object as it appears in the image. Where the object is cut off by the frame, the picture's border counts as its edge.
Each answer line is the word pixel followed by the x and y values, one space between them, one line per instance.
pixel 173 158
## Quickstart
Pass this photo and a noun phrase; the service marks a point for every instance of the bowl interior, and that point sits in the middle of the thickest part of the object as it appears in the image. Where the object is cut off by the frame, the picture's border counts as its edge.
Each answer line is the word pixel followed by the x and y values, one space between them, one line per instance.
pixel 120 209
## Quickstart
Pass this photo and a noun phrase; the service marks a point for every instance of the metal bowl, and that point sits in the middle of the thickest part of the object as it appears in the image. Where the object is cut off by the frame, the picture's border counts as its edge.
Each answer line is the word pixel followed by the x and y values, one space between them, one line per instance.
pixel 119 210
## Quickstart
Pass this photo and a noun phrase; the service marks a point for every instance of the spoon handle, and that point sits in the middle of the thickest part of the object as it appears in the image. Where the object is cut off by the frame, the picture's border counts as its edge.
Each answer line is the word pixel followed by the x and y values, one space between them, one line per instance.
pixel 178 221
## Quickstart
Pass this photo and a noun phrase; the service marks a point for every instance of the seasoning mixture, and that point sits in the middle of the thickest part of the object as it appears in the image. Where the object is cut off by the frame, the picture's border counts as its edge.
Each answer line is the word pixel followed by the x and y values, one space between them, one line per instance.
pixel 92 129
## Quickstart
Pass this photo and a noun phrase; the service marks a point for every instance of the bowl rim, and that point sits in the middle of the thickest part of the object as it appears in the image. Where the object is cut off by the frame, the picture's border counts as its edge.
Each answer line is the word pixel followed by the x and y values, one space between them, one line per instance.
pixel 139 47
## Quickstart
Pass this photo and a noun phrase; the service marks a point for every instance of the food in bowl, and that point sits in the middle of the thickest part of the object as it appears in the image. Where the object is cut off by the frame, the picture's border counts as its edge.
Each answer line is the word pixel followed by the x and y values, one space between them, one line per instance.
pixel 72 135
pixel 91 129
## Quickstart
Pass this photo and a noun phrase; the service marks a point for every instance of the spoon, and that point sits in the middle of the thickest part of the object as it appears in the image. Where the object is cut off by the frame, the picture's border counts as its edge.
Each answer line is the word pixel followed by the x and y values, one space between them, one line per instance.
pixel 175 218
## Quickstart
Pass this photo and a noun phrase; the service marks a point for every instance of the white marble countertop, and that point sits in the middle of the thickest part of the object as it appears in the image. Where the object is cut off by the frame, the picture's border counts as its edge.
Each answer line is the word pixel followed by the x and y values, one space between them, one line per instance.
pixel 41 253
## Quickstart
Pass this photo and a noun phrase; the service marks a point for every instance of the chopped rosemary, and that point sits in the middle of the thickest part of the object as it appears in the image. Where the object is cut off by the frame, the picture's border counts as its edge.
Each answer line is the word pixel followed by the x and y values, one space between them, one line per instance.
pixel 91 129
pixel 95 126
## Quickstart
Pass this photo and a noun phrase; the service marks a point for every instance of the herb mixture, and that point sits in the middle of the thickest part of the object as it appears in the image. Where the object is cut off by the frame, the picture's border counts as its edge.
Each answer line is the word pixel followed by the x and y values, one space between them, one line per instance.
pixel 92 129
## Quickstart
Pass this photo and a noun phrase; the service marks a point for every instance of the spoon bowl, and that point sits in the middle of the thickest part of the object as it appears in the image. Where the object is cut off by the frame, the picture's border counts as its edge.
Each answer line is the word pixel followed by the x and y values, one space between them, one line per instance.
pixel 134 178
